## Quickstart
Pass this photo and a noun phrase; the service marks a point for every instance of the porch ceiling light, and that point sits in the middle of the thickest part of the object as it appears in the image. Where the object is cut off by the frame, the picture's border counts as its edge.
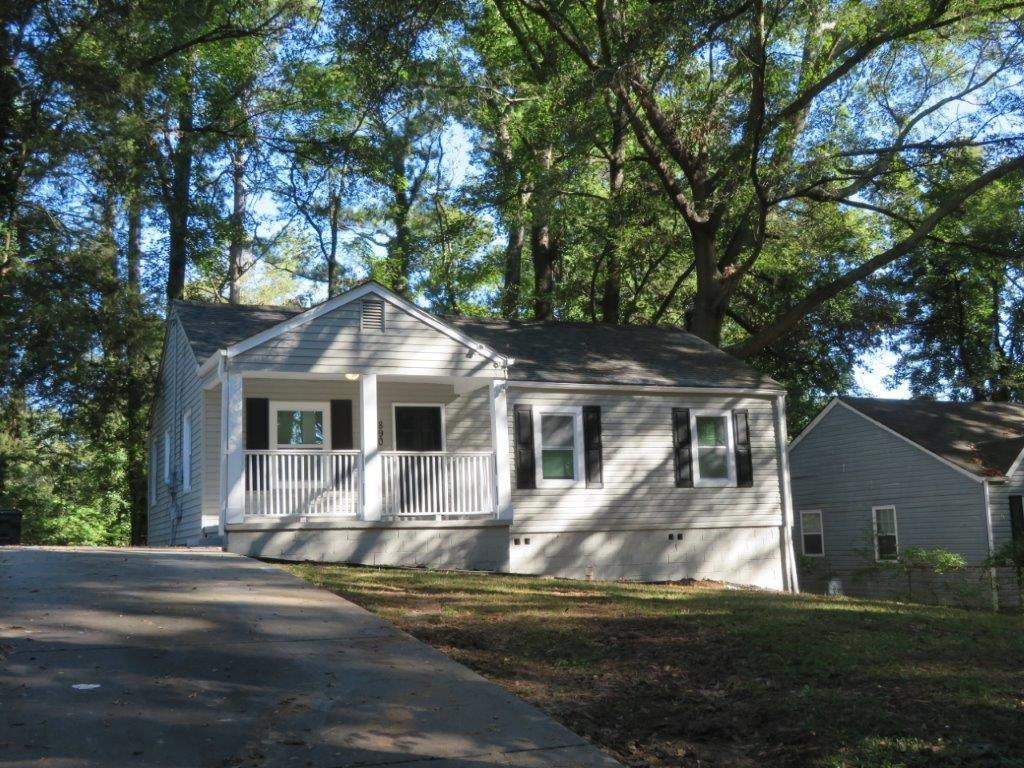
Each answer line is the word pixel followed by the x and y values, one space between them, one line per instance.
pixel 352 376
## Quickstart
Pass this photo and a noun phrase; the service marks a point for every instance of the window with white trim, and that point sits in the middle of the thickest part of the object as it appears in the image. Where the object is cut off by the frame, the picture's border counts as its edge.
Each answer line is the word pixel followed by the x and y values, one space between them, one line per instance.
pixel 711 443
pixel 812 533
pixel 186 451
pixel 153 468
pixel 887 546
pixel 300 425
pixel 558 446
pixel 167 457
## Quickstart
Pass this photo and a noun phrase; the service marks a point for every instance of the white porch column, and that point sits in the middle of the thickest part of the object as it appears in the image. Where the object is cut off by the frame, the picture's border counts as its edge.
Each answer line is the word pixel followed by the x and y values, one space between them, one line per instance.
pixel 499 444
pixel 373 470
pixel 233 407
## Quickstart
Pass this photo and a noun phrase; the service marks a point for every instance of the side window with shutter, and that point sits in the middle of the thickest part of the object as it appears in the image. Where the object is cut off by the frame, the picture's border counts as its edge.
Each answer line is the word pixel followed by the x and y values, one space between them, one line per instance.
pixel 525 473
pixel 681 447
pixel 741 439
pixel 1017 518
pixel 592 446
pixel 342 433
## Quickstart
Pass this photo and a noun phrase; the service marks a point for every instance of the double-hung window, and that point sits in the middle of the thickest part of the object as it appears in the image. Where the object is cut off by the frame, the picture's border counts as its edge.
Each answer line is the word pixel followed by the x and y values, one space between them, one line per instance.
pixel 300 425
pixel 167 457
pixel 186 451
pixel 711 437
pixel 558 446
pixel 812 533
pixel 886 540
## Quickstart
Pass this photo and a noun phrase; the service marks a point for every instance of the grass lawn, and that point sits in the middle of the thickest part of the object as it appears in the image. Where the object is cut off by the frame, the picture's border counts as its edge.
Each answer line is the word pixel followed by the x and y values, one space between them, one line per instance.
pixel 677 675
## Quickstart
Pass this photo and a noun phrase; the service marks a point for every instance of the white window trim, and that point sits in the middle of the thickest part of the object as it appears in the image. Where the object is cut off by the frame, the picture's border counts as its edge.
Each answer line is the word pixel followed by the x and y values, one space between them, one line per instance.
pixel 167 457
pixel 186 451
pixel 299 405
pixel 730 457
pixel 579 474
pixel 821 525
pixel 895 530
pixel 394 423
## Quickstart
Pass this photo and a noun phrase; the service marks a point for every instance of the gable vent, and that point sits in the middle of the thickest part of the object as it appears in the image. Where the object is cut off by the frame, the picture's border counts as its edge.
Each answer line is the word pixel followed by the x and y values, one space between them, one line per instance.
pixel 372 316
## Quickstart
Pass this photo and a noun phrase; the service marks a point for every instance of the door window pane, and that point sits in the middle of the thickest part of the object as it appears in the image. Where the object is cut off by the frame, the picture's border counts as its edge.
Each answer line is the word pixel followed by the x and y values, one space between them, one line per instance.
pixel 557 446
pixel 300 428
pixel 712 447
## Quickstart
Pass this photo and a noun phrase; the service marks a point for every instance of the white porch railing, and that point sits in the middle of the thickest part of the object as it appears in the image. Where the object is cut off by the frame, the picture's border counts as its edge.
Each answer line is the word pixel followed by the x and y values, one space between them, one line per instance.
pixel 302 482
pixel 438 485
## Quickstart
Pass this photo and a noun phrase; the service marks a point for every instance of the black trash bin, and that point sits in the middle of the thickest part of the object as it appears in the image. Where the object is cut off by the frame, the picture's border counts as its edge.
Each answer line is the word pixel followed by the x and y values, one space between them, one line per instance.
pixel 10 526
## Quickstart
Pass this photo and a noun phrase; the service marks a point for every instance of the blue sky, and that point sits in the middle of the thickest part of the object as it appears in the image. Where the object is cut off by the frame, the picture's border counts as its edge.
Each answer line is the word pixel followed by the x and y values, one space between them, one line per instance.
pixel 871 372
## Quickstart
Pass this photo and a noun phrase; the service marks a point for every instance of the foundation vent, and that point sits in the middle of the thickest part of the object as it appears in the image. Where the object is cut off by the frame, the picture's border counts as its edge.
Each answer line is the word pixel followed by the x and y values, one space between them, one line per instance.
pixel 372 315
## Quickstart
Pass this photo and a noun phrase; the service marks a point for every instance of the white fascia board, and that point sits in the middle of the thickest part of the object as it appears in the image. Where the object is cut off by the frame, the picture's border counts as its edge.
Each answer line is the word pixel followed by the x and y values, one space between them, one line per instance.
pixel 908 441
pixel 357 293
pixel 1016 464
pixel 645 388
pixel 814 423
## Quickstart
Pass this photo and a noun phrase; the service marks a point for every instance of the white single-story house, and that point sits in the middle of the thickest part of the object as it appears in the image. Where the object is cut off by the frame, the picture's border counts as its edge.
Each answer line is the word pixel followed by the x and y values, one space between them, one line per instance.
pixel 366 430
pixel 873 477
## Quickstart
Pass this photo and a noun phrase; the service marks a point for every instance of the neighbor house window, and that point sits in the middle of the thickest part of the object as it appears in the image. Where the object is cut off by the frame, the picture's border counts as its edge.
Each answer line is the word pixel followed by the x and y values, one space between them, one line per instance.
pixel 557 447
pixel 167 457
pixel 886 541
pixel 813 536
pixel 712 444
pixel 300 425
pixel 186 452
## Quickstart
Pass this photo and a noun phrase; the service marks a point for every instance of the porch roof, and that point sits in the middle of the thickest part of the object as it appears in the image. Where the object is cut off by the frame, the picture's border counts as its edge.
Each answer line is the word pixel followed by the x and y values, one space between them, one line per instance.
pixel 548 352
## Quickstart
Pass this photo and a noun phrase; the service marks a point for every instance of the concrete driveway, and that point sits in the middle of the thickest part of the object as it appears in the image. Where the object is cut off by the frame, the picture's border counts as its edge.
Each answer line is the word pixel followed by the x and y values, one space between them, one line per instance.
pixel 199 658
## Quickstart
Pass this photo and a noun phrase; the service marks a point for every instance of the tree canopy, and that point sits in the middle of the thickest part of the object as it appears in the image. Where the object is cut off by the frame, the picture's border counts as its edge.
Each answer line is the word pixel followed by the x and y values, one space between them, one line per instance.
pixel 801 182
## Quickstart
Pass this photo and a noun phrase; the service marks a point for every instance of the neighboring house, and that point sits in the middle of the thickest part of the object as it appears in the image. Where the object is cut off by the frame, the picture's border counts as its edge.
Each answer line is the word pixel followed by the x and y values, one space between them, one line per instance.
pixel 366 430
pixel 872 477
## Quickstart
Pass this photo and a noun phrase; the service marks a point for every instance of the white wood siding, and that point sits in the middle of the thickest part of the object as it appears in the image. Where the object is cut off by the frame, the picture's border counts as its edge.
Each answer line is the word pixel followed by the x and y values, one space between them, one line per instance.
pixel 334 343
pixel 639 481
pixel 177 519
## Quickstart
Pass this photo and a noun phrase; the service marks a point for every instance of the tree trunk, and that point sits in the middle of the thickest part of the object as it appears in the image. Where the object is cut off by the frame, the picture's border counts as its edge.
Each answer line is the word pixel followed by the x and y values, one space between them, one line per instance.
pixel 179 203
pixel 135 384
pixel 513 276
pixel 707 314
pixel 544 251
pixel 238 246
pixel 543 245
pixel 611 294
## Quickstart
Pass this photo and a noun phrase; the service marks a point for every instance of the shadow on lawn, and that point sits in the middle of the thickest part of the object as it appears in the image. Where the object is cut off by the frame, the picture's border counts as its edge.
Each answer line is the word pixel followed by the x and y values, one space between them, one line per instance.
pixel 664 674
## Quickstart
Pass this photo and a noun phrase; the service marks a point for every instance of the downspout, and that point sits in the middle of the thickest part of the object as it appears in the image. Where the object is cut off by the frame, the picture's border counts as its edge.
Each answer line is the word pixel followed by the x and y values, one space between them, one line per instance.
pixel 792 583
pixel 993 578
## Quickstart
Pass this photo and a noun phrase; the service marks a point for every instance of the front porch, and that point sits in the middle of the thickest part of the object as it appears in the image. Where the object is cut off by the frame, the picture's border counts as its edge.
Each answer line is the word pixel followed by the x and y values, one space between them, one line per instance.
pixel 360 447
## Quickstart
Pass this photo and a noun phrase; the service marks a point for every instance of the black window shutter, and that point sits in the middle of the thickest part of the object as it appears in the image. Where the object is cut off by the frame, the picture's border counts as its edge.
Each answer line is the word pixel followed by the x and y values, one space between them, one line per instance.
pixel 525 470
pixel 257 423
pixel 257 438
pixel 342 437
pixel 741 437
pixel 592 445
pixel 1017 517
pixel 681 447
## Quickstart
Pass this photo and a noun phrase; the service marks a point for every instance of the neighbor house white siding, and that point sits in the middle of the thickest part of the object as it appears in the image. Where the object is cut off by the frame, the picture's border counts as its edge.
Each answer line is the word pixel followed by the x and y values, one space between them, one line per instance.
pixel 845 466
pixel 176 515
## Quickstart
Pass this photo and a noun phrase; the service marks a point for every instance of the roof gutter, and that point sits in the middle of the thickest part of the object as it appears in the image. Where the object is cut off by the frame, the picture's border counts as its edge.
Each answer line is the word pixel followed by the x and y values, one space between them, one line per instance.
pixel 646 388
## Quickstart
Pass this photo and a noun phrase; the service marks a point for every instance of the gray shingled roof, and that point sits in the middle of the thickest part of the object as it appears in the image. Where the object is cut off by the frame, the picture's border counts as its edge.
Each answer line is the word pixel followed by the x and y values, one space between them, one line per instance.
pixel 983 438
pixel 578 353
pixel 210 327
pixel 589 353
